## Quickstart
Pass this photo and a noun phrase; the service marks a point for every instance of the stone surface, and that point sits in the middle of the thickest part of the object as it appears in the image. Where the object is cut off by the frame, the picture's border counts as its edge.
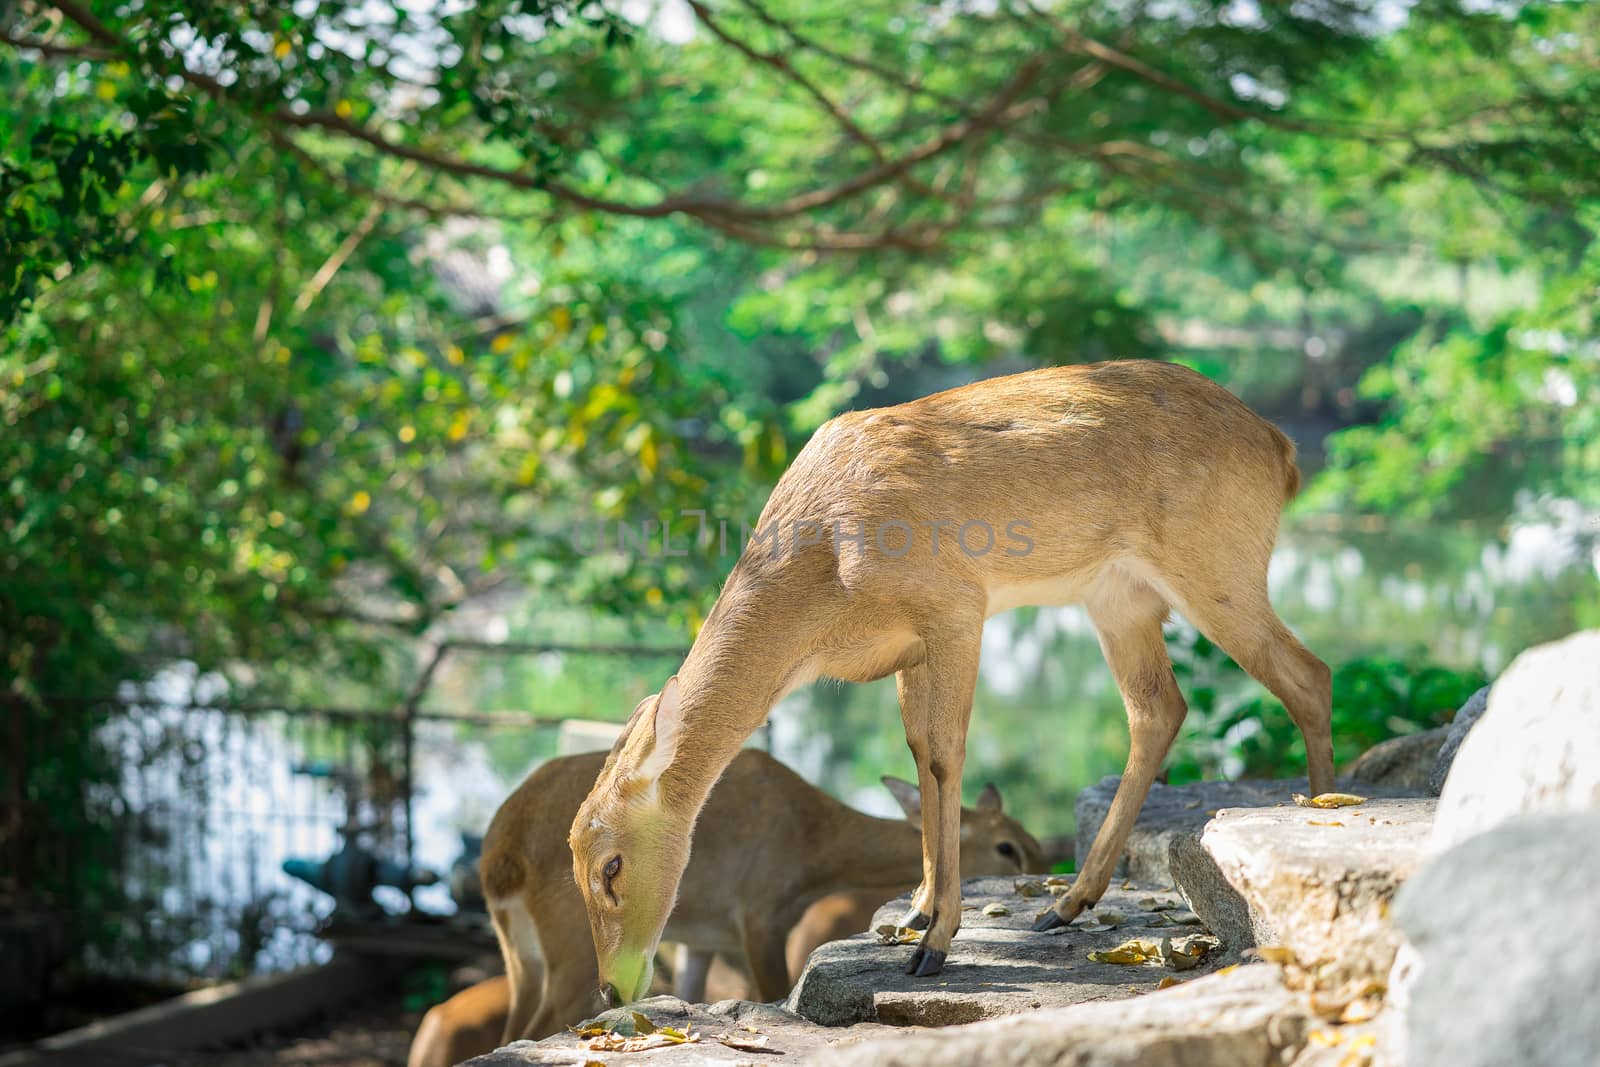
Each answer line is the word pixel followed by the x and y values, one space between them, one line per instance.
pixel 790 1039
pixel 1225 1020
pixel 1317 881
pixel 1537 746
pixel 1505 926
pixel 1467 716
pixel 1406 761
pixel 1178 811
pixel 997 966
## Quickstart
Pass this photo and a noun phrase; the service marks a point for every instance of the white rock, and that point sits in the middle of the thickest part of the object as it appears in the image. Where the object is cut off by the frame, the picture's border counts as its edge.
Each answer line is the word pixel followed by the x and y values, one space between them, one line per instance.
pixel 1537 747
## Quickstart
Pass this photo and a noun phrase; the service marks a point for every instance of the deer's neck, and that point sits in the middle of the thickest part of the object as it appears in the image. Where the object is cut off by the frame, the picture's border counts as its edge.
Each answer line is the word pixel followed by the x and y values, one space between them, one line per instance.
pixel 742 661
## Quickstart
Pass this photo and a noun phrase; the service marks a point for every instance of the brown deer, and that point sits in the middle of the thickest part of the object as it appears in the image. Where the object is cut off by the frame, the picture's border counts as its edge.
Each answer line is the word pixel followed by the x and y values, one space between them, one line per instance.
pixel 468 1024
pixel 1132 487
pixel 771 844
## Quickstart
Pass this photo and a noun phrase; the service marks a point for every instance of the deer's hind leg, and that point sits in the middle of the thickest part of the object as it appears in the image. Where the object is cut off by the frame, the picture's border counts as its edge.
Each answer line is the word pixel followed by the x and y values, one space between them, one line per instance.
pixel 1127 615
pixel 1233 610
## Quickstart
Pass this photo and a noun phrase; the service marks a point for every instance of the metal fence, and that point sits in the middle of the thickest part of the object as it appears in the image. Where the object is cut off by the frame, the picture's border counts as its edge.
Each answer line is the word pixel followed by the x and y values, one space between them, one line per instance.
pixel 176 868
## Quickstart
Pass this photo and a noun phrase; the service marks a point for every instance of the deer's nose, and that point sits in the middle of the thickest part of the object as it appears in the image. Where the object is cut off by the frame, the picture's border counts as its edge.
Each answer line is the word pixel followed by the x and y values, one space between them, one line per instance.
pixel 613 998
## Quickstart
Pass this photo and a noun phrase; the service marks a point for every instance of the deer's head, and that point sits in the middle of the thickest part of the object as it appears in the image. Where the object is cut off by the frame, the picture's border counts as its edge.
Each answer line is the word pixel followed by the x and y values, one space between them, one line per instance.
pixel 630 845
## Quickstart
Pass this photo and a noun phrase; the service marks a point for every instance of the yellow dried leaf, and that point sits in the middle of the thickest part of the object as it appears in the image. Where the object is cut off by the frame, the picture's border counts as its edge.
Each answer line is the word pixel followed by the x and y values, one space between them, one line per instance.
pixel 1360 1010
pixel 1324 1038
pixel 1129 953
pixel 642 1023
pixel 996 910
pixel 1323 822
pixel 1329 800
pixel 1029 887
pixel 890 934
pixel 1272 953
pixel 1168 981
pixel 743 1043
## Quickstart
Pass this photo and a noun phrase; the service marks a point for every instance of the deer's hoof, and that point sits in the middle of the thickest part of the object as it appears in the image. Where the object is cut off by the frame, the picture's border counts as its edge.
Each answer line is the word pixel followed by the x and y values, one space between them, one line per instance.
pixel 1048 921
pixel 915 920
pixel 925 962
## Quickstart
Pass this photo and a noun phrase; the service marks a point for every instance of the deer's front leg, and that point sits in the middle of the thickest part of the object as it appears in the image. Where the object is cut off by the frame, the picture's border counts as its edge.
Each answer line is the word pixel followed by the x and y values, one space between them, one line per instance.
pixel 951 672
pixel 912 683
pixel 1137 652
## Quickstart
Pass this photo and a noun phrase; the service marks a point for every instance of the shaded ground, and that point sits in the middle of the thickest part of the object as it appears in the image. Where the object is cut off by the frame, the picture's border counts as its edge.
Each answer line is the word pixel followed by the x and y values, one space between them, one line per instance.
pixel 373 1033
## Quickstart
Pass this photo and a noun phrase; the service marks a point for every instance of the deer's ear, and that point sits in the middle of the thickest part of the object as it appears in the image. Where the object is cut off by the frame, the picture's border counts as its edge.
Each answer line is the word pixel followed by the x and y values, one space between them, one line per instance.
pixel 666 724
pixel 908 796
pixel 989 799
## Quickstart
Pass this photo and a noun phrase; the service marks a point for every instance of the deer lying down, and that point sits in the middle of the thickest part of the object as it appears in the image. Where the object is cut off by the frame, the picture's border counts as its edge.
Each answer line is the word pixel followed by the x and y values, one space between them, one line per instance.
pixel 1134 488
pixel 770 845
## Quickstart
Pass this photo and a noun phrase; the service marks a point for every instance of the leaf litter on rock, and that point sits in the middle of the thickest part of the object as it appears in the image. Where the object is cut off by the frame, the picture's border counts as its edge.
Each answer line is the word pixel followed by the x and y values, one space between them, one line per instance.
pixel 644 1034
pixel 1329 800
pixel 996 910
pixel 1180 954
pixel 890 934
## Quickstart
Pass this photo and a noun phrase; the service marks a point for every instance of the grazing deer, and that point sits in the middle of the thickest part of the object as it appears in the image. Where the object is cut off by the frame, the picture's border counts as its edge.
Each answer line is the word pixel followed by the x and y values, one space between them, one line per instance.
pixel 770 845
pixel 1131 487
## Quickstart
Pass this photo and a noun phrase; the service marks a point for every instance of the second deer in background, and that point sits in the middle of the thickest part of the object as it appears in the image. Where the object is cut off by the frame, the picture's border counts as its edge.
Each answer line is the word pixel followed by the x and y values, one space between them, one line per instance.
pixel 770 844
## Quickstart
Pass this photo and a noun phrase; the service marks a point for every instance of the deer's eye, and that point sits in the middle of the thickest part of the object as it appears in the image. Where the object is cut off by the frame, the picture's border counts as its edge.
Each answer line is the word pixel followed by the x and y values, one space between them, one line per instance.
pixel 613 867
pixel 1006 849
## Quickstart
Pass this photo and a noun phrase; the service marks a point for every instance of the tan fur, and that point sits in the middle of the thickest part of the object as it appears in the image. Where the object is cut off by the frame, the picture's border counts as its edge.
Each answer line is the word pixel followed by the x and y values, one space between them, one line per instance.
pixel 771 844
pixel 468 1024
pixel 1144 486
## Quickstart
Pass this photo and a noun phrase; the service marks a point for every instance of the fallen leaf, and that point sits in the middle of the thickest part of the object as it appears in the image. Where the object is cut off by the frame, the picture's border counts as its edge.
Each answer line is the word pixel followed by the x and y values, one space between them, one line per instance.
pixel 593 1028
pixel 1057 880
pixel 1360 1010
pixel 1109 917
pixel 1029 887
pixel 1192 804
pixel 642 1023
pixel 1183 917
pixel 1272 953
pixel 1127 885
pixel 1129 953
pixel 890 934
pixel 1323 822
pixel 746 1044
pixel 996 909
pixel 1168 981
pixel 1329 800
pixel 1324 1038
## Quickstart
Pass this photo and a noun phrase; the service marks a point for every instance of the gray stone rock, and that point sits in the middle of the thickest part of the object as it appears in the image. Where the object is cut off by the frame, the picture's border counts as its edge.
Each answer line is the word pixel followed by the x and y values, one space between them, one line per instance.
pixel 1505 925
pixel 1537 746
pixel 1407 761
pixel 1244 1017
pixel 997 965
pixel 789 1038
pixel 1317 881
pixel 1178 811
pixel 1455 733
